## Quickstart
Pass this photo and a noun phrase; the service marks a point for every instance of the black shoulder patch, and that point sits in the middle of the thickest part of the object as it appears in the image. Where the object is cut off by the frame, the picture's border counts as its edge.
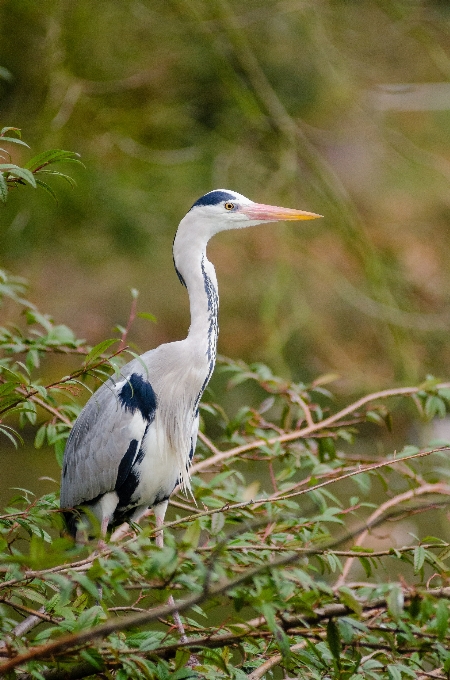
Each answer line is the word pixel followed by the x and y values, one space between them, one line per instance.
pixel 213 198
pixel 137 393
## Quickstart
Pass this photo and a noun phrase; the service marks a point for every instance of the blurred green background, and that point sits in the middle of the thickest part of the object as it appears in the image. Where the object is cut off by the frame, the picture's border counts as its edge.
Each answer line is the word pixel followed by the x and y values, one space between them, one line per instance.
pixel 337 107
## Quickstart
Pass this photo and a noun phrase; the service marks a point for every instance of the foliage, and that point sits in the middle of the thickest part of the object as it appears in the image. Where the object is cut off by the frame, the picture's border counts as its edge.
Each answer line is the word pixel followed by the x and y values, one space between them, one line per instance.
pixel 12 175
pixel 271 566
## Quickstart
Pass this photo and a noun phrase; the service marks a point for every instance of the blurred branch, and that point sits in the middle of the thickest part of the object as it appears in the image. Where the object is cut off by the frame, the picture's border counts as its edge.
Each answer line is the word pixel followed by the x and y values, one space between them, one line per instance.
pixel 164 157
pixel 387 313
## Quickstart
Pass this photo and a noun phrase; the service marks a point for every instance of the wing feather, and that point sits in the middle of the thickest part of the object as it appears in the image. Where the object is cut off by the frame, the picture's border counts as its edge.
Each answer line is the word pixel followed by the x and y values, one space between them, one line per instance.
pixel 97 443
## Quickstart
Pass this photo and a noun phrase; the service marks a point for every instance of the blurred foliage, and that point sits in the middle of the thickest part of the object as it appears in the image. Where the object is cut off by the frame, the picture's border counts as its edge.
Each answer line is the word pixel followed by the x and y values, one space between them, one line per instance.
pixel 284 101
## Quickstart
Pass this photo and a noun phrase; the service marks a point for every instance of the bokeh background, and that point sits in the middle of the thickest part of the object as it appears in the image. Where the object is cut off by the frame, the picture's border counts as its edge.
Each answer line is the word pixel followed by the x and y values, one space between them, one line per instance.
pixel 335 106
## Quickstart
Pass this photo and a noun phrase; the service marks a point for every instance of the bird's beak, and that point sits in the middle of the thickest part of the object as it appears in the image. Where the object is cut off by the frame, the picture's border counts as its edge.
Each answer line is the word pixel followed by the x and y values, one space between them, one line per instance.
pixel 259 211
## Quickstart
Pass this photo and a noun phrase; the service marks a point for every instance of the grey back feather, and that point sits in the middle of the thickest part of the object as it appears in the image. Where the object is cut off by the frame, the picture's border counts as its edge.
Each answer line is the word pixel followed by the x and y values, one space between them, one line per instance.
pixel 100 437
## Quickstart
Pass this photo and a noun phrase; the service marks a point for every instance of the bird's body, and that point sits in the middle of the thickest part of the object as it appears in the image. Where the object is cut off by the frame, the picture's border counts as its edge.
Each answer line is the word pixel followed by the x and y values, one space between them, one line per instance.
pixel 135 438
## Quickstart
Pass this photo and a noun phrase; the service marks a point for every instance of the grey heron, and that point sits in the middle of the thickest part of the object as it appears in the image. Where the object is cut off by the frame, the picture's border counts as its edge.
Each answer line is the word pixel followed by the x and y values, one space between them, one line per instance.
pixel 133 442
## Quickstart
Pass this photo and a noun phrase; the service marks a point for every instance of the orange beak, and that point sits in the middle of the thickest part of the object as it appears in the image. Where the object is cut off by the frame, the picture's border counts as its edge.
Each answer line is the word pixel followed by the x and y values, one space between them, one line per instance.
pixel 259 211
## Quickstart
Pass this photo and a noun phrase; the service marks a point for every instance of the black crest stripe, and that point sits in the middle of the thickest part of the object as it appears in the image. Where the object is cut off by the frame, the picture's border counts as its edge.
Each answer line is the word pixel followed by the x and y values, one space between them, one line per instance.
pixel 213 198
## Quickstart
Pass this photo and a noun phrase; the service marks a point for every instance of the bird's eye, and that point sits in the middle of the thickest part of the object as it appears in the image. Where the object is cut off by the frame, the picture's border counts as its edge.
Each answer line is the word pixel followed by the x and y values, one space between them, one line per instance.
pixel 229 206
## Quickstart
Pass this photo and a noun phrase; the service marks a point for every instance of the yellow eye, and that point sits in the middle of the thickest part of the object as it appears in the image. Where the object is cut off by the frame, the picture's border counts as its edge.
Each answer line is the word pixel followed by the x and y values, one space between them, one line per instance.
pixel 229 206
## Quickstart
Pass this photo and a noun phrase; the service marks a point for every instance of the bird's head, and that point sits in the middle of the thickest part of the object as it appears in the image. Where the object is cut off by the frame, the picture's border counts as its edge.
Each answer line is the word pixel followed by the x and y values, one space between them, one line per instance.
pixel 222 209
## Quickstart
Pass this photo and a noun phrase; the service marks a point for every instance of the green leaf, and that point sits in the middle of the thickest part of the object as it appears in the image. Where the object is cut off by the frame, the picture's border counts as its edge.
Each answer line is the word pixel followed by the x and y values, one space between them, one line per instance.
pixel 435 406
pixel 148 316
pixel 395 601
pixel 10 129
pixel 444 392
pixel 214 656
pixel 191 536
pixel 327 449
pixel 414 606
pixel 22 173
pixel 442 619
pixel 348 597
pixel 366 566
pixel 445 553
pixel 67 178
pixel 182 656
pixel 86 583
pixel 334 640
pixel 394 673
pixel 388 421
pixel 92 657
pixel 419 558
pixel 40 437
pixel 333 561
pixel 14 140
pixel 47 188
pixel 3 189
pixel 11 434
pixel 98 350
pixel 52 156
pixel 217 522
pixel 374 417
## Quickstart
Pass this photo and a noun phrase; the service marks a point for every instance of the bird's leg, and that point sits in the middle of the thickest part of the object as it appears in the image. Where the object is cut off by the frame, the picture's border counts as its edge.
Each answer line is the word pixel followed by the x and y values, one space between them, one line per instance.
pixel 101 546
pixel 160 511
pixel 103 530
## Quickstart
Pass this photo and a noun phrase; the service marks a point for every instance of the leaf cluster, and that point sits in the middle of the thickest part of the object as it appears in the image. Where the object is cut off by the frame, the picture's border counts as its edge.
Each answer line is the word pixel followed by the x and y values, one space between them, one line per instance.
pixel 35 171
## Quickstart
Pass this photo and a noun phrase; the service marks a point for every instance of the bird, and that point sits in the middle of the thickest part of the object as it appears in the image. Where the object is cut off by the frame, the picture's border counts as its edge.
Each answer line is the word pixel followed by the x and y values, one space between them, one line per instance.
pixel 134 441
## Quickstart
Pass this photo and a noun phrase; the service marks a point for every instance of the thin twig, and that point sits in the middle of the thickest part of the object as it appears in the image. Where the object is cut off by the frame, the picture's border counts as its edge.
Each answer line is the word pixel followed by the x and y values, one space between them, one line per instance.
pixel 391 503
pixel 310 429
pixel 131 318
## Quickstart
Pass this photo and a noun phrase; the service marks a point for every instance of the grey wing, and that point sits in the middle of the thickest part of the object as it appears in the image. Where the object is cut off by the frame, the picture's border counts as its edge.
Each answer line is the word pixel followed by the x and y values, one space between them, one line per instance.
pixel 108 432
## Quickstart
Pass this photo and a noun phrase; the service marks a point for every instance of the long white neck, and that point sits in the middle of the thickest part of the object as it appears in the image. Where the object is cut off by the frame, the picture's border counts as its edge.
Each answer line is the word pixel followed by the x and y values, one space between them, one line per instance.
pixel 198 275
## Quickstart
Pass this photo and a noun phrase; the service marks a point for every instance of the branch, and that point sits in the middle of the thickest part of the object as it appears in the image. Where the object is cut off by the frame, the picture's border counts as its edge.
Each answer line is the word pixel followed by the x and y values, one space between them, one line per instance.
pixel 79 565
pixel 340 553
pixel 29 394
pixel 67 642
pixel 124 528
pixel 260 672
pixel 392 502
pixel 332 420
pixel 131 318
pixel 263 501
